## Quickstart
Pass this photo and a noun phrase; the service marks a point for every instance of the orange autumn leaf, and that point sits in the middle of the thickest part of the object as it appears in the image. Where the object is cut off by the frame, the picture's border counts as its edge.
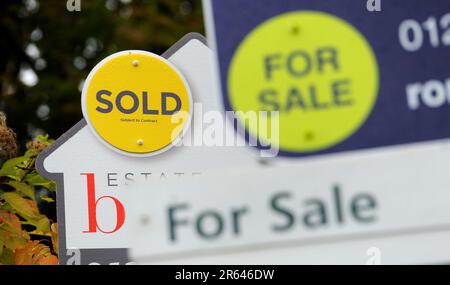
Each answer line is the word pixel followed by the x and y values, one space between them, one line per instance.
pixel 11 231
pixel 54 233
pixel 48 260
pixel 10 219
pixel 33 206
pixel 23 256
pixel 34 253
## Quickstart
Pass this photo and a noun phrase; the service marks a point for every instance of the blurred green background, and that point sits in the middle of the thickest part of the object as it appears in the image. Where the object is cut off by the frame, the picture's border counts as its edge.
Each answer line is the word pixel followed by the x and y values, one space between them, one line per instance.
pixel 46 52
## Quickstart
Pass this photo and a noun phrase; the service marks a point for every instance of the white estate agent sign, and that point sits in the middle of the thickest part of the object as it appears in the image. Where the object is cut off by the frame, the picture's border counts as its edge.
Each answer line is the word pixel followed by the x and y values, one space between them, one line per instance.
pixel 93 197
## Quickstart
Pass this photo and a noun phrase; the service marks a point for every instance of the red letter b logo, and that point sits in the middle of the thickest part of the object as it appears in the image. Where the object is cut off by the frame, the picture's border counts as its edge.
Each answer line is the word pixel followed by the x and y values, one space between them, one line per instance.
pixel 92 207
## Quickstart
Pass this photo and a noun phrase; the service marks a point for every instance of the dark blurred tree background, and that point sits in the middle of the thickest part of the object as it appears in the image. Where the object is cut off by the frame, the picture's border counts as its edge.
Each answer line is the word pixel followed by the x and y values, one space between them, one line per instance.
pixel 46 52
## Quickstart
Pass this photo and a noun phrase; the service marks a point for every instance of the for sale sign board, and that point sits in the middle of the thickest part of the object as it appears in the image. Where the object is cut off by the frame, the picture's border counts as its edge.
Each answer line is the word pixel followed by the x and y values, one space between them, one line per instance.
pixel 334 210
pixel 343 76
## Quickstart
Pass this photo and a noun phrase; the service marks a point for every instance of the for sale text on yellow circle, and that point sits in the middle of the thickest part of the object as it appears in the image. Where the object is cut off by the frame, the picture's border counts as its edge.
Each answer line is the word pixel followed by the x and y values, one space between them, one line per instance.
pixel 137 102
pixel 315 69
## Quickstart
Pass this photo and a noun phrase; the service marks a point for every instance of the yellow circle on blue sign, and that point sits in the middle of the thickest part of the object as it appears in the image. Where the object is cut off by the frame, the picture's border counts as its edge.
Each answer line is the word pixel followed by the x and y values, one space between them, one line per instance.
pixel 137 102
pixel 315 69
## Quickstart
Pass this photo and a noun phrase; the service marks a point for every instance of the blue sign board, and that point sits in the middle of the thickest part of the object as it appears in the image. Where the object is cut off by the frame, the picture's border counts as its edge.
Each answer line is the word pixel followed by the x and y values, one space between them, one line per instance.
pixel 391 57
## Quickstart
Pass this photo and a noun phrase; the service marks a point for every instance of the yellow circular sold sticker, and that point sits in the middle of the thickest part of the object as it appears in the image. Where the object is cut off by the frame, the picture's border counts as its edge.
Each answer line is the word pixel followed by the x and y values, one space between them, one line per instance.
pixel 136 102
pixel 315 69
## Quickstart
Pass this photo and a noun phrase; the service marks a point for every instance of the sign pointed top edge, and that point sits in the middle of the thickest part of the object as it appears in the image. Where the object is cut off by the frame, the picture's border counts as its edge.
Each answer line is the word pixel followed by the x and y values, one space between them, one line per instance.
pixel 183 41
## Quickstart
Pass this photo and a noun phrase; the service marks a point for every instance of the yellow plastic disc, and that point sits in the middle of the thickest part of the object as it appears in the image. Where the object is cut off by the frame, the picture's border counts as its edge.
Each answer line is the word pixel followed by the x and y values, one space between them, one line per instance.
pixel 137 102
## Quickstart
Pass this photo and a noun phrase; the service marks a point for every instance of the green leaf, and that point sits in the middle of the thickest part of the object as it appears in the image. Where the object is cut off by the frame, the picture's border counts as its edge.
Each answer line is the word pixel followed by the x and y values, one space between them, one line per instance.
pixel 42 138
pixel 23 188
pixel 1 245
pixel 35 179
pixel 21 206
pixel 45 139
pixel 11 168
pixel 42 224
pixel 28 210
pixel 7 257
pixel 31 153
pixel 47 199
pixel 6 206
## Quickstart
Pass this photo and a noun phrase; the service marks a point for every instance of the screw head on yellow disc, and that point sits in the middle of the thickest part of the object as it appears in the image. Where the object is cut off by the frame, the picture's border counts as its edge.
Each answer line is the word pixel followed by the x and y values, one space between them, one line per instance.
pixel 137 103
pixel 315 69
